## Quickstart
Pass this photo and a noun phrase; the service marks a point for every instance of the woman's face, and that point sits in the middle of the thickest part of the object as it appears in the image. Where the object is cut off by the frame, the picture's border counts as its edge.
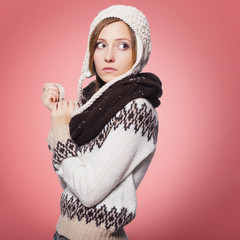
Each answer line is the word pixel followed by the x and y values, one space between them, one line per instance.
pixel 113 53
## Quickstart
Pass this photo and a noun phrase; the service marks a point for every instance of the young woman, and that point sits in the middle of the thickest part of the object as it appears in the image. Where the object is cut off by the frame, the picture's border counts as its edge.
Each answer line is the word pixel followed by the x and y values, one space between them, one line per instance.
pixel 103 143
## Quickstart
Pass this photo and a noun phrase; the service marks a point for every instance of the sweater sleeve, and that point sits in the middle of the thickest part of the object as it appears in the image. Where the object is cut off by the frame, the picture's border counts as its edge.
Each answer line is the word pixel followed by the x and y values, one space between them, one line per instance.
pixel 61 146
pixel 91 179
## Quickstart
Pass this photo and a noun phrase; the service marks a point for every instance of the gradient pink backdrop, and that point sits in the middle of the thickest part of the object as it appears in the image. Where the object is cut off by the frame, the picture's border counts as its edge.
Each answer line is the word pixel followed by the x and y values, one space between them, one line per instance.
pixel 192 188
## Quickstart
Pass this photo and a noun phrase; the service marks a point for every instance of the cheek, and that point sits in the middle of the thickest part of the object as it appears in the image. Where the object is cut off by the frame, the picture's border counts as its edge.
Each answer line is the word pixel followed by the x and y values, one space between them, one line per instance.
pixel 128 61
pixel 96 60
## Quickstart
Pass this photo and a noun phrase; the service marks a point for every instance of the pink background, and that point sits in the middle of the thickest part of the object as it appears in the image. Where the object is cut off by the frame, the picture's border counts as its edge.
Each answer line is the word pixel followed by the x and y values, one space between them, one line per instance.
pixel 192 188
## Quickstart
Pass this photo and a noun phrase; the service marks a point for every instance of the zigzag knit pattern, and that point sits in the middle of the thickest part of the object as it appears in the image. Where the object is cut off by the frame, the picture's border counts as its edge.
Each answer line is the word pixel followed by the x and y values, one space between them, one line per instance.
pixel 100 185
pixel 73 208
pixel 142 120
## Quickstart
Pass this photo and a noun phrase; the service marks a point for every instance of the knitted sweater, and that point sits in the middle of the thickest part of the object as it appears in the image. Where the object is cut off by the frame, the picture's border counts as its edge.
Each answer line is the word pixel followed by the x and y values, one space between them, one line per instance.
pixel 100 179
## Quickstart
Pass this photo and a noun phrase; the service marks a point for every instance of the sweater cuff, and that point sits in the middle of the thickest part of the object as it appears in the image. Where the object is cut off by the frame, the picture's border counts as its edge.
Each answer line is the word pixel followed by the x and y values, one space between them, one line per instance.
pixel 64 146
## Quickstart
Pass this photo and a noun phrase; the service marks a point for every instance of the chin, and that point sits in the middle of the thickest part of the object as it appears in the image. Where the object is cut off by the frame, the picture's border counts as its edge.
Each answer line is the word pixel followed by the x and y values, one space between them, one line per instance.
pixel 108 78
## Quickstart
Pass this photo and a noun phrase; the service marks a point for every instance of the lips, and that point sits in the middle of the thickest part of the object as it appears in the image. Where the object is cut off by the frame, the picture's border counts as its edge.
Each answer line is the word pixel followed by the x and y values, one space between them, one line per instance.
pixel 109 69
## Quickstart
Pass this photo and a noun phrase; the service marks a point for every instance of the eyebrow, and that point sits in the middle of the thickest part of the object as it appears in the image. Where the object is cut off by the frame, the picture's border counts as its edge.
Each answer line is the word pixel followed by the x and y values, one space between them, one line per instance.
pixel 117 39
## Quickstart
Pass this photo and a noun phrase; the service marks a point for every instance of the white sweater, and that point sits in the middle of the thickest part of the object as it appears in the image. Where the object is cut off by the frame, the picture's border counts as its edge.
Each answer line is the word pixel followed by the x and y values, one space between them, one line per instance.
pixel 100 178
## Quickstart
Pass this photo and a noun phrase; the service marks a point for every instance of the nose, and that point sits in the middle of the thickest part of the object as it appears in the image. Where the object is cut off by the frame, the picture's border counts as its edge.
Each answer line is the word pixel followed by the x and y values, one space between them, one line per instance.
pixel 109 56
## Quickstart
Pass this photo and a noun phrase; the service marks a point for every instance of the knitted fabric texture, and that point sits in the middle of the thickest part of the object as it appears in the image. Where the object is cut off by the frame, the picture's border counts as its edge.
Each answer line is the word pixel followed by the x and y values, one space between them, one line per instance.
pixel 140 26
pixel 88 124
pixel 100 178
pixel 100 173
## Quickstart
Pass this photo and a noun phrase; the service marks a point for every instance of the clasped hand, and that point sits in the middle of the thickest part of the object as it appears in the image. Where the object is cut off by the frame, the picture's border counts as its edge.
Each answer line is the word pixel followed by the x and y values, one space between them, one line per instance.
pixel 61 112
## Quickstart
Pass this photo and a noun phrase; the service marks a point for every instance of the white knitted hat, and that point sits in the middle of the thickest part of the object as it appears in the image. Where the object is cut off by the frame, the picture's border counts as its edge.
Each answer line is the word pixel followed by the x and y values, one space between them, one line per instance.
pixel 140 26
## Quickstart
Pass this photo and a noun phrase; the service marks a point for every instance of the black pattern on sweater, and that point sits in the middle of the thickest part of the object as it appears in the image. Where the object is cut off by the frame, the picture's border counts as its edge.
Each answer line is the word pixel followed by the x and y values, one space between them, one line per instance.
pixel 62 151
pixel 73 208
pixel 140 118
pixel 58 236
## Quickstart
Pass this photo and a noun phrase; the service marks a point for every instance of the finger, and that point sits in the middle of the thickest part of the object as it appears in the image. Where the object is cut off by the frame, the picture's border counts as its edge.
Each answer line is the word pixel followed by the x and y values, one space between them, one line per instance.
pixel 55 89
pixel 54 107
pixel 65 104
pixel 47 85
pixel 51 86
pixel 60 106
pixel 52 100
pixel 50 97
pixel 53 93
pixel 44 93
pixel 71 105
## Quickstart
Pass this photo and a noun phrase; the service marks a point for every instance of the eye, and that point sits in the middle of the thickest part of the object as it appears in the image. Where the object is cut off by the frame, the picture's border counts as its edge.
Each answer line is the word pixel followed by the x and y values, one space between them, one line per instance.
pixel 123 46
pixel 100 45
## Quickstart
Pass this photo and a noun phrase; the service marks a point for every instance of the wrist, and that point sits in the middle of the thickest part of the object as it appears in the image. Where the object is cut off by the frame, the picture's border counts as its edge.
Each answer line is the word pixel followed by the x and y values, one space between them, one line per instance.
pixel 59 125
pixel 58 122
pixel 61 133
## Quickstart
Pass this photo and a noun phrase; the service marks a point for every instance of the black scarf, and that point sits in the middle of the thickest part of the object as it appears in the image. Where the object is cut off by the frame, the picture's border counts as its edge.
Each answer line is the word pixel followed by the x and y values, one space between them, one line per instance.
pixel 88 124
